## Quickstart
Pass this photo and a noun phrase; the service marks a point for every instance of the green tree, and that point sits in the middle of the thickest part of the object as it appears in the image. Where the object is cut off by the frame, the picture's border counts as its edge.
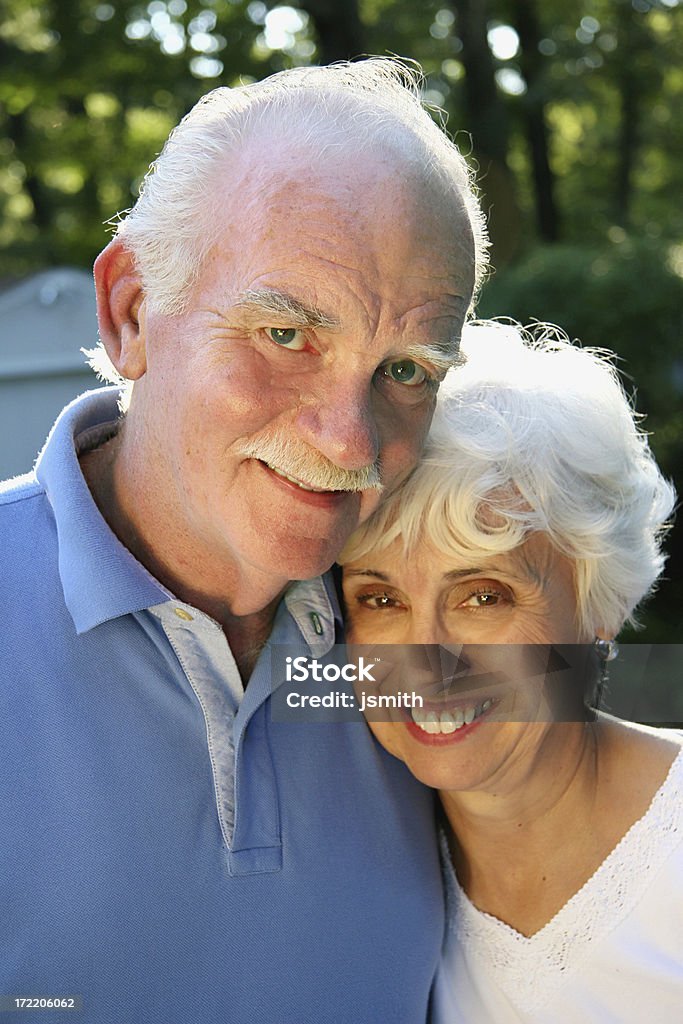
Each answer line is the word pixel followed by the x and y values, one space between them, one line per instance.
pixel 570 109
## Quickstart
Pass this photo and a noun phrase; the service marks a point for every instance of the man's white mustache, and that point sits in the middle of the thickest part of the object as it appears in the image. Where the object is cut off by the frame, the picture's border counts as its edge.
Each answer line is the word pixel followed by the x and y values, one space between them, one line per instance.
pixel 292 457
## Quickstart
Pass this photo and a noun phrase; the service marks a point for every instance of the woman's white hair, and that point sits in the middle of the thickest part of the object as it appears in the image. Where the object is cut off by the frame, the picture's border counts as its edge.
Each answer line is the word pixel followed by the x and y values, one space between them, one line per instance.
pixel 533 433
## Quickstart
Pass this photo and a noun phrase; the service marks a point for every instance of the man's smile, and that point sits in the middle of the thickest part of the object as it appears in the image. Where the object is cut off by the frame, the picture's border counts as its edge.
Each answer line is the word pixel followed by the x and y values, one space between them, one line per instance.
pixel 305 493
pixel 294 480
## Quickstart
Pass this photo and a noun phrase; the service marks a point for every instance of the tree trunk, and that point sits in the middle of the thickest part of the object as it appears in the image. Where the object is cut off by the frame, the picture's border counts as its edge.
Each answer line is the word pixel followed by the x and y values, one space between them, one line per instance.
pixel 633 40
pixel 17 130
pixel 536 127
pixel 486 115
pixel 628 146
pixel 486 121
pixel 338 27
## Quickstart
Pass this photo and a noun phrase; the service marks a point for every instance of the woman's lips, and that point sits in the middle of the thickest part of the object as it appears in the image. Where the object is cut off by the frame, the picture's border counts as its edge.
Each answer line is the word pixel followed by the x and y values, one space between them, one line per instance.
pixel 448 724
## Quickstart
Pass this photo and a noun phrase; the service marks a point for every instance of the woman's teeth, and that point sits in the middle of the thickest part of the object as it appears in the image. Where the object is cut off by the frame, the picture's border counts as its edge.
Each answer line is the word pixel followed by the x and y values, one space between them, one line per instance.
pixel 448 721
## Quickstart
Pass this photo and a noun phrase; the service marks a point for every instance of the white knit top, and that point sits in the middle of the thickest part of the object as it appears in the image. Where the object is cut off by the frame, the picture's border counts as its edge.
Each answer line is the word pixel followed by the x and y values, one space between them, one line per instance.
pixel 613 954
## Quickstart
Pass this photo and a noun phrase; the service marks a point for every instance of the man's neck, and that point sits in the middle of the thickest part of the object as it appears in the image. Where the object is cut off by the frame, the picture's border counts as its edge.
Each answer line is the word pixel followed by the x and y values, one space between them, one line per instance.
pixel 242 600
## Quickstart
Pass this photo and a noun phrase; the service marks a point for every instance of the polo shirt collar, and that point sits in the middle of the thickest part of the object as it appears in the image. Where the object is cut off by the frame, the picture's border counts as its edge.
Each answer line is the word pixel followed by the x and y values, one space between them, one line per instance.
pixel 101 579
pixel 314 606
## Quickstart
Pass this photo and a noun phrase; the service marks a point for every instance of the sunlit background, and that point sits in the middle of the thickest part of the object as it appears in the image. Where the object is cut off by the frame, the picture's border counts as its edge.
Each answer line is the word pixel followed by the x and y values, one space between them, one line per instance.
pixel 572 111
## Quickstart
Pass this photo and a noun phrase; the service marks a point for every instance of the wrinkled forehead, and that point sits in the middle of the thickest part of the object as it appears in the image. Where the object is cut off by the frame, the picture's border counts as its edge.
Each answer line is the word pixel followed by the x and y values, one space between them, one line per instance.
pixel 327 189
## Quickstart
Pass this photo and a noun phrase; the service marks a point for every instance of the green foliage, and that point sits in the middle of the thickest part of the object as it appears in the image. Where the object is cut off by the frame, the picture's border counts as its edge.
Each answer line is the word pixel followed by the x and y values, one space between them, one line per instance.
pixel 89 90
pixel 624 295
pixel 88 93
pixel 627 296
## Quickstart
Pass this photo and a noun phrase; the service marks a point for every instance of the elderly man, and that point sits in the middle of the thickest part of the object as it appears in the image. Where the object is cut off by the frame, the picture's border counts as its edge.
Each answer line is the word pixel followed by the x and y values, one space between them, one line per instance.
pixel 285 295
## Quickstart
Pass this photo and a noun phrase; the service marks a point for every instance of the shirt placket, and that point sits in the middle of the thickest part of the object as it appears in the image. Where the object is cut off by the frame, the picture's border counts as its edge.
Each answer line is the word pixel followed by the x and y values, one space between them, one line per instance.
pixel 237 722
pixel 209 666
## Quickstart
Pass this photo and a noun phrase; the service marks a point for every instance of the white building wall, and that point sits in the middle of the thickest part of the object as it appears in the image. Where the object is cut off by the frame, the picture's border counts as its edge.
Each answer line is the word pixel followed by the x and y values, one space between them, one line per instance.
pixel 44 322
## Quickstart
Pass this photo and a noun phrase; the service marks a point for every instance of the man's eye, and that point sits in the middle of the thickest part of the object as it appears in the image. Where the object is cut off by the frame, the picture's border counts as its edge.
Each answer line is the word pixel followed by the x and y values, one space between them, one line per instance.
pixel 405 371
pixel 287 337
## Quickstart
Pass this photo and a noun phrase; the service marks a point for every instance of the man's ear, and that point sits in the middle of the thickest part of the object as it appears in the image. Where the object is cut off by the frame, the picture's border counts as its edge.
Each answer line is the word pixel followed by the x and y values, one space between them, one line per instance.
pixel 119 297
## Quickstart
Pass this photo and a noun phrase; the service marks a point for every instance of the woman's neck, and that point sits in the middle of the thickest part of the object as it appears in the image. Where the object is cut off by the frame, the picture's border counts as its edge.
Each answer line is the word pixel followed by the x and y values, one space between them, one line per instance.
pixel 527 841
pixel 521 844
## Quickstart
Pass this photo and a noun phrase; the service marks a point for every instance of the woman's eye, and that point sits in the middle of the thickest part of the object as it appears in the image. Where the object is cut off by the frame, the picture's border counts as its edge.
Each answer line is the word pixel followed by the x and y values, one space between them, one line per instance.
pixel 405 371
pixel 483 599
pixel 287 337
pixel 378 602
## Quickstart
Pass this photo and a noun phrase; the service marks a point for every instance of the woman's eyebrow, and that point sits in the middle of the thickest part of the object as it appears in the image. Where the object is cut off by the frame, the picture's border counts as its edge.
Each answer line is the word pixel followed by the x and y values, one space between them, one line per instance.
pixel 456 574
pixel 529 575
pixel 269 302
pixel 368 572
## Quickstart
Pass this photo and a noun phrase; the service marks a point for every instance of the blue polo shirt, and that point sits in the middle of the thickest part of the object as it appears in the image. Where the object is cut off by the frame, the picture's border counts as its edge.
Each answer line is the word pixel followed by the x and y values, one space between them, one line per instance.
pixel 169 852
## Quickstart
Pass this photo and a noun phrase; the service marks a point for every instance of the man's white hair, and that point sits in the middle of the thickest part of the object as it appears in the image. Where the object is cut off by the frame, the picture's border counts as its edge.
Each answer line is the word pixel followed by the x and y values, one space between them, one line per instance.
pixel 174 223
pixel 533 433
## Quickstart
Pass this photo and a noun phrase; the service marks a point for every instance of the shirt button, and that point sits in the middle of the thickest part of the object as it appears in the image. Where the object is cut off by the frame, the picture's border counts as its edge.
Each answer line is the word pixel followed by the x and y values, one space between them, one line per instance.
pixel 182 614
pixel 317 624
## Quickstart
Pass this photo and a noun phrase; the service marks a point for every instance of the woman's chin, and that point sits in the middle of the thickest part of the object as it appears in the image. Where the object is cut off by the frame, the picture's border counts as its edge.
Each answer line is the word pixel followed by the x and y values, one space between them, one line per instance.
pixel 441 762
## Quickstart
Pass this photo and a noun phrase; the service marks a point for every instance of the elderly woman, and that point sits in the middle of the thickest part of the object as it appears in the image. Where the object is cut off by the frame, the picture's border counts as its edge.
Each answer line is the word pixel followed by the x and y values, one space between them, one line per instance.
pixel 534 521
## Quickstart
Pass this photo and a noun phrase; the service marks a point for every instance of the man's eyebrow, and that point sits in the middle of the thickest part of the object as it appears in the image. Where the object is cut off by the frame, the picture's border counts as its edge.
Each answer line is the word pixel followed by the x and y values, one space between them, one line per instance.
pixel 268 302
pixel 442 355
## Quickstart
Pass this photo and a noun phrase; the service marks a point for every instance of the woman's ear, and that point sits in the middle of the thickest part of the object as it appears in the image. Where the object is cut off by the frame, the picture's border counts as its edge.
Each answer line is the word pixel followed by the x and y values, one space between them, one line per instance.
pixel 119 298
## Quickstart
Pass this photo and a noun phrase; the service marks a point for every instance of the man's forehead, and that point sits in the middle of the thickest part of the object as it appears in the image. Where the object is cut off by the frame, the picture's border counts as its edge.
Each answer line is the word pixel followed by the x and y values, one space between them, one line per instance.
pixel 296 245
pixel 269 167
pixel 404 239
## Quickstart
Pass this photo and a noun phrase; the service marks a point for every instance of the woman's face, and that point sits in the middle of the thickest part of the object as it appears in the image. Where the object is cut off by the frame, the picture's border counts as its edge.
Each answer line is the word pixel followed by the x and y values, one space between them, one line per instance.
pixel 506 610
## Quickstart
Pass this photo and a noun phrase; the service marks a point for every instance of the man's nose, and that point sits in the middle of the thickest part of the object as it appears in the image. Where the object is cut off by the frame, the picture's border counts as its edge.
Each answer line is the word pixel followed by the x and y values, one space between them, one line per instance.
pixel 341 424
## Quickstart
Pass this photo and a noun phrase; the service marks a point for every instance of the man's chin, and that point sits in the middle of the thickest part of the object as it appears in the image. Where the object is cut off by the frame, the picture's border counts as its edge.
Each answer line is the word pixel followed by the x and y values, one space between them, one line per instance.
pixel 309 568
pixel 306 559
